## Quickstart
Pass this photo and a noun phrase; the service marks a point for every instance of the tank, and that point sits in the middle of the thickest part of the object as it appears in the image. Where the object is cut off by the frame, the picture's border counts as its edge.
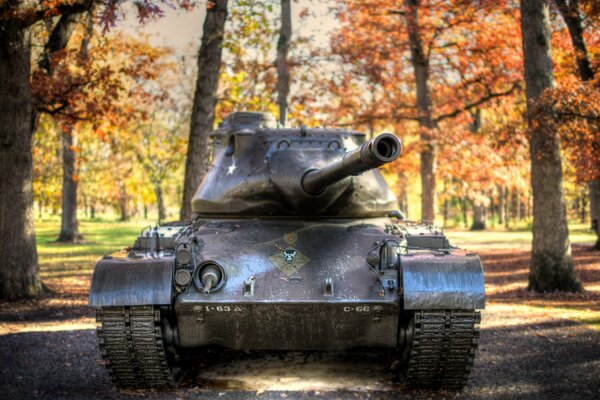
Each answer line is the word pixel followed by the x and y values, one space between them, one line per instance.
pixel 296 243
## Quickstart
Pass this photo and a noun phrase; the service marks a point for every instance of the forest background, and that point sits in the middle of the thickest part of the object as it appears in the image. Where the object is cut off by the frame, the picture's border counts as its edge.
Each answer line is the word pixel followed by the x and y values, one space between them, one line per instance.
pixel 497 103
pixel 353 73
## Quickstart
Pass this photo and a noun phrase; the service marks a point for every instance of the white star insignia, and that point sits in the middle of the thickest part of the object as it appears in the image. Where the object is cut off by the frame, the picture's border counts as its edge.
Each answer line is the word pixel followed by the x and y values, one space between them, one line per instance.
pixel 231 168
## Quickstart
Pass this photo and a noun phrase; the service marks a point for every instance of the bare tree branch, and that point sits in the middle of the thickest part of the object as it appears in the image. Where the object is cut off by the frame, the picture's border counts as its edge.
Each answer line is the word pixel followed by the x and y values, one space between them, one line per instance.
pixel 63 9
pixel 482 100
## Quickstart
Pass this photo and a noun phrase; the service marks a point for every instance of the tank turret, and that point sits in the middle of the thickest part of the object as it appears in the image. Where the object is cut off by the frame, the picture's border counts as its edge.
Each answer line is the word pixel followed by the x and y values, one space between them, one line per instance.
pixel 261 170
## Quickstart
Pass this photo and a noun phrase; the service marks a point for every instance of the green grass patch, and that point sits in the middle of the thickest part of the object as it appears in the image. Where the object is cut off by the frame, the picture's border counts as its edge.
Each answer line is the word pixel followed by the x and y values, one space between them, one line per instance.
pixel 578 233
pixel 100 236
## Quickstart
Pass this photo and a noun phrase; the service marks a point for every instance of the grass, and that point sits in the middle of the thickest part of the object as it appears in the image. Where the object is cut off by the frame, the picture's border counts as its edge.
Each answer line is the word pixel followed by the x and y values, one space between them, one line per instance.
pixel 67 268
pixel 100 236
pixel 578 233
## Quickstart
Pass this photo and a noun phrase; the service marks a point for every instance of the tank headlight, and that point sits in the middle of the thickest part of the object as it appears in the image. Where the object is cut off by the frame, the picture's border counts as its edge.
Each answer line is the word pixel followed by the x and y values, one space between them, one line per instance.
pixel 183 277
pixel 183 253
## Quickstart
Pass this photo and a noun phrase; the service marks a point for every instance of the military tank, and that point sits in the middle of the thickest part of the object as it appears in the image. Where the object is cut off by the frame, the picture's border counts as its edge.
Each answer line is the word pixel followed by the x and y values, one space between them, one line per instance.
pixel 296 243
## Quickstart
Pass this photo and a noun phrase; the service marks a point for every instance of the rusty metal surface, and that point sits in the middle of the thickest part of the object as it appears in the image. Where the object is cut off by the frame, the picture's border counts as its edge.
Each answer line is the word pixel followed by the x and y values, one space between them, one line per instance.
pixel 128 281
pixel 437 281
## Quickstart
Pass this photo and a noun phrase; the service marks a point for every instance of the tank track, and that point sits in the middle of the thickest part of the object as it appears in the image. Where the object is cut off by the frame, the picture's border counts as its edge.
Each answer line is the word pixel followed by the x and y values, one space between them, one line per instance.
pixel 443 348
pixel 131 344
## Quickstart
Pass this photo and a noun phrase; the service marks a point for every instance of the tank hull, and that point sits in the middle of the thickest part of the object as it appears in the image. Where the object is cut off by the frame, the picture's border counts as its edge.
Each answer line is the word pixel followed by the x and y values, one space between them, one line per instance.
pixel 289 284
pixel 285 290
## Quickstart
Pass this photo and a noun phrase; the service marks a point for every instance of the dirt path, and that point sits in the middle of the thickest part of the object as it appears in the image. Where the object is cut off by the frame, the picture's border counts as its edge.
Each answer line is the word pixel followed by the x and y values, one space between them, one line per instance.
pixel 532 347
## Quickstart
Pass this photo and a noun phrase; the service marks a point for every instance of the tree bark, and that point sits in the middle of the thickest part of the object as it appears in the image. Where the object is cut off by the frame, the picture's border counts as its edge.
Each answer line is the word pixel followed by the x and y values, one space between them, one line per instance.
pixel 283 68
pixel 162 215
pixel 583 211
pixel 85 207
pixel 69 225
pixel 492 211
pixel 515 208
pixel 505 210
pixel 569 10
pixel 478 217
pixel 551 266
pixel 59 37
pixel 420 65
pixel 572 17
pixel 123 203
pixel 464 205
pixel 594 187
pixel 205 100
pixel 19 267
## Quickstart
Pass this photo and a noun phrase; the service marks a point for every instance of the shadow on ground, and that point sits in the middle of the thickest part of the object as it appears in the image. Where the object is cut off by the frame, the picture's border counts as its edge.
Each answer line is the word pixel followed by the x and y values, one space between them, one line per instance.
pixel 558 361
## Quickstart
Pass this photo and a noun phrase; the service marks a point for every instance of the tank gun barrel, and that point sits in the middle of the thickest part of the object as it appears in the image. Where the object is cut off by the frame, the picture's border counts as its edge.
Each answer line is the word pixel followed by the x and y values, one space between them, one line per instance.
pixel 374 153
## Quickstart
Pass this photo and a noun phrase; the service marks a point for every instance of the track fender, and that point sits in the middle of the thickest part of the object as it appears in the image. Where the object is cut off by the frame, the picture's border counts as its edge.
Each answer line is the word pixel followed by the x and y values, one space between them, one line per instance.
pixel 442 281
pixel 132 281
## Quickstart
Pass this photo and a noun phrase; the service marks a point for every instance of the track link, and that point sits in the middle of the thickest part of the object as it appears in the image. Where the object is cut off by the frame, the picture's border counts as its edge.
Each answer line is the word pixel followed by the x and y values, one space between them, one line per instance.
pixel 131 344
pixel 443 348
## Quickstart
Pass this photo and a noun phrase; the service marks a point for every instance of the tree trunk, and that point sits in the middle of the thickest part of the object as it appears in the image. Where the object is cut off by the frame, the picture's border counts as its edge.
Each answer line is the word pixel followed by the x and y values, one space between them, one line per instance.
pixel 478 217
pixel 85 207
pixel 159 203
pixel 594 187
pixel 19 267
pixel 205 100
pixel 573 20
pixel 501 205
pixel 420 65
pixel 551 265
pixel 464 207
pixel 123 206
pixel 69 225
pixel 584 205
pixel 92 211
pixel 506 207
pixel 528 206
pixel 59 37
pixel 515 209
pixel 492 211
pixel 283 68
pixel 572 17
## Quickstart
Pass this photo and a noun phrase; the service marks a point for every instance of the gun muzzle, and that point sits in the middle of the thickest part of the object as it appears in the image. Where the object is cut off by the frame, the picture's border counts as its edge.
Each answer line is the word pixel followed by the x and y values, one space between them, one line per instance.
pixel 380 150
